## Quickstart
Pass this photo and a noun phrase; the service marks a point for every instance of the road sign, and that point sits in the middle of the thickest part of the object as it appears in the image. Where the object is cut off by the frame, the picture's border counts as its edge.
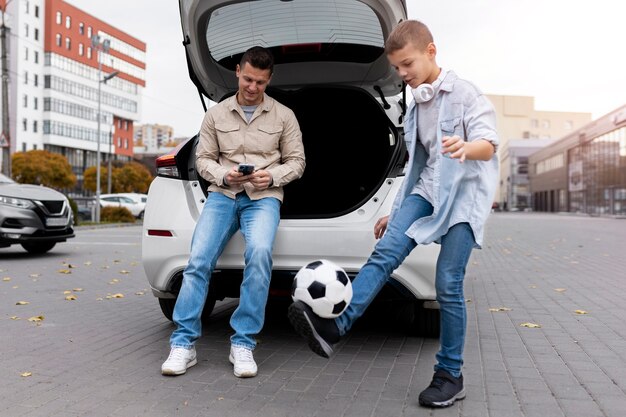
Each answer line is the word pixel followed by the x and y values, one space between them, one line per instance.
pixel 4 143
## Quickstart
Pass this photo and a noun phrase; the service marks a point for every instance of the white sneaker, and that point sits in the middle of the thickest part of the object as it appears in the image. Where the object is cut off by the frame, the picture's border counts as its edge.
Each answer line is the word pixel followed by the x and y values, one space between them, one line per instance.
pixel 179 360
pixel 243 361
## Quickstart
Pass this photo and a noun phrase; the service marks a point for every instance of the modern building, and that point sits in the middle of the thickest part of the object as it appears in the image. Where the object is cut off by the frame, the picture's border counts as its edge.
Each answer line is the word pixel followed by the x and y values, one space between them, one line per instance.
pixel 585 171
pixel 64 66
pixel 514 155
pixel 518 119
pixel 152 137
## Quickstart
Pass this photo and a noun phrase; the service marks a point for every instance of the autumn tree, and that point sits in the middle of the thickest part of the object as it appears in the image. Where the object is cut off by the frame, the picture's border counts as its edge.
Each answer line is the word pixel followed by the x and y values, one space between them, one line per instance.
pixel 44 168
pixel 125 178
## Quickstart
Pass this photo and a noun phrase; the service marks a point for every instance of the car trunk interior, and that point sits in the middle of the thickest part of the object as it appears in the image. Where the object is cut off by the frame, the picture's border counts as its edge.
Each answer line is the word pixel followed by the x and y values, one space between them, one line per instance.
pixel 351 147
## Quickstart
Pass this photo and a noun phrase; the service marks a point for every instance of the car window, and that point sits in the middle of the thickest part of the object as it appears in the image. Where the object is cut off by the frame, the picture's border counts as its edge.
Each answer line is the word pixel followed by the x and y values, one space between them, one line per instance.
pixel 111 199
pixel 126 200
pixel 319 28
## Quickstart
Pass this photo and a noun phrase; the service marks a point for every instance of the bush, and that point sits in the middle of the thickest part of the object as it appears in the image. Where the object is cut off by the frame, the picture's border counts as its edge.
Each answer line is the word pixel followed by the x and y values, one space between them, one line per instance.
pixel 116 215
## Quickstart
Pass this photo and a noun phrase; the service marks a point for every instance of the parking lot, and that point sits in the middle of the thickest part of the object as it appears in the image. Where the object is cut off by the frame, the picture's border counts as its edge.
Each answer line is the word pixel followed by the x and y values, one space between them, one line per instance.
pixel 83 336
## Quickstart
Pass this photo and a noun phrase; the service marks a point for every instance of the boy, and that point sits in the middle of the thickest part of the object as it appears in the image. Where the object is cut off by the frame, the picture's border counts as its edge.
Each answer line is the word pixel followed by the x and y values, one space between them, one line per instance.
pixel 445 198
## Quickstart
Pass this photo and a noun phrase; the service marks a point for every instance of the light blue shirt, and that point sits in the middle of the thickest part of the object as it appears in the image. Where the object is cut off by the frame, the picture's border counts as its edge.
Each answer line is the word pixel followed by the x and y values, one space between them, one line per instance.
pixel 462 192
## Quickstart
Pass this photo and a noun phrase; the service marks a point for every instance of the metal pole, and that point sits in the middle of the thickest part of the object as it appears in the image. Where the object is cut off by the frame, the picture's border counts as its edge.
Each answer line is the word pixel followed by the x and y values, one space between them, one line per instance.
pixel 6 129
pixel 110 157
pixel 98 139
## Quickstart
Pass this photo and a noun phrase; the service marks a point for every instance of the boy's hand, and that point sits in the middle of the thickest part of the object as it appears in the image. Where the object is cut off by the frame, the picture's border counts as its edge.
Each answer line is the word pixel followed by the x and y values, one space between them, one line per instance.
pixel 380 227
pixel 454 147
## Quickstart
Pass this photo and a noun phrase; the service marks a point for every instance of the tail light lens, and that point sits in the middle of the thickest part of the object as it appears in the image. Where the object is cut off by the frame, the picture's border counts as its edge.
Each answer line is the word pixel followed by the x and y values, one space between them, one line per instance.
pixel 167 165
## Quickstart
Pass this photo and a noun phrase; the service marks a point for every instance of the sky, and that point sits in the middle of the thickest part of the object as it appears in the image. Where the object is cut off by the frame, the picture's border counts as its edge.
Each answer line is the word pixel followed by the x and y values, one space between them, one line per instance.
pixel 567 54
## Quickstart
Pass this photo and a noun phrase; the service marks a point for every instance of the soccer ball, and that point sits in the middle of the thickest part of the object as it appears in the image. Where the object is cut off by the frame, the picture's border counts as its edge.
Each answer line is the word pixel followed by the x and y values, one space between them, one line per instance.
pixel 323 286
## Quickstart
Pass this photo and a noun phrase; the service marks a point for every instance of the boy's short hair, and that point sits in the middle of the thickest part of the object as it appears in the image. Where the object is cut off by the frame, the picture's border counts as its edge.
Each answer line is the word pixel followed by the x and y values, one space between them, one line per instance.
pixel 258 57
pixel 408 31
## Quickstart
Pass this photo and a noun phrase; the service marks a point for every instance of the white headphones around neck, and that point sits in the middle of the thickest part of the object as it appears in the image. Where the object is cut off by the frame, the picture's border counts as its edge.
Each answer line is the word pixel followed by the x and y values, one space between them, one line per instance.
pixel 425 92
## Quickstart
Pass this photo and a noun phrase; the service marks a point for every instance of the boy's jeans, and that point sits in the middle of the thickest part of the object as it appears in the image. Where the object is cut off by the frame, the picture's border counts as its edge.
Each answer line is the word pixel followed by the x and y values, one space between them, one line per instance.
pixel 221 217
pixel 390 252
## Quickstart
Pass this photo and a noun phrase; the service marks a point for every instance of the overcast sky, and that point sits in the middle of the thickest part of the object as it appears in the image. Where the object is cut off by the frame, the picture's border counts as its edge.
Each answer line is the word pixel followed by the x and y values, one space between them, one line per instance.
pixel 568 54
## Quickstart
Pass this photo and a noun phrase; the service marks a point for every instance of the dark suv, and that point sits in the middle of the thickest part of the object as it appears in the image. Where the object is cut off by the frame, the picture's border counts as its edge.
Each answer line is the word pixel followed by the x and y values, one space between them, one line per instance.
pixel 33 216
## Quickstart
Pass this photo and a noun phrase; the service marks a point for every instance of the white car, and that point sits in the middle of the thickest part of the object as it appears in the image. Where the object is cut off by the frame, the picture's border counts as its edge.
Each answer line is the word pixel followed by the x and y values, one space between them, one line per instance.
pixel 134 205
pixel 331 69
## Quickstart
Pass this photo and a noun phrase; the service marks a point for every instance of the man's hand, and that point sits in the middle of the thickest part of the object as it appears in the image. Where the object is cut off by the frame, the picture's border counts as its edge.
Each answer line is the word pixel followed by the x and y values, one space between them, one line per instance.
pixel 260 179
pixel 454 147
pixel 380 227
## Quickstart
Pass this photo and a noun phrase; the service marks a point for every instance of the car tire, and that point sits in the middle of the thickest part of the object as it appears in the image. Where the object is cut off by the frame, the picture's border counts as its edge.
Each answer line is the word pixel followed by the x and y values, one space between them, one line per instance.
pixel 140 215
pixel 38 247
pixel 167 307
pixel 425 321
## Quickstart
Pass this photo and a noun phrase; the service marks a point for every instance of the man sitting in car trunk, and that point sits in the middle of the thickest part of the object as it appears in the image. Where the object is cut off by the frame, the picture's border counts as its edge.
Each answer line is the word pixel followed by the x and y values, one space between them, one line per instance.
pixel 252 129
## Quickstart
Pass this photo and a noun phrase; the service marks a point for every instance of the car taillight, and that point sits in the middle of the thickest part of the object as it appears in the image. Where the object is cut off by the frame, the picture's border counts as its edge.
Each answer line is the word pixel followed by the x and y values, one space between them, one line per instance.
pixel 166 164
pixel 156 232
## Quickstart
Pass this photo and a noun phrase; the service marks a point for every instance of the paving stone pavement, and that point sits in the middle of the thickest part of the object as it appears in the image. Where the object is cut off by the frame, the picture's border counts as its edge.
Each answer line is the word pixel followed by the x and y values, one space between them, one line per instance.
pixel 100 355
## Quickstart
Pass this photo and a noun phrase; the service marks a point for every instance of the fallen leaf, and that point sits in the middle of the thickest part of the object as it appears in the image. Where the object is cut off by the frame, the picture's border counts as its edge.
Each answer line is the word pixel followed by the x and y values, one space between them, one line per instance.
pixel 6 279
pixel 139 293
pixel 531 325
pixel 114 281
pixel 64 271
pixel 22 303
pixel 36 319
pixel 70 266
pixel 532 286
pixel 116 261
pixel 87 263
pixel 67 292
pixel 560 289
pixel 70 297
pixel 77 289
pixel 580 312
pixel 14 318
pixel 34 275
pixel 123 271
pixel 25 374
pixel 99 299
pixel 15 286
pixel 499 309
pixel 118 295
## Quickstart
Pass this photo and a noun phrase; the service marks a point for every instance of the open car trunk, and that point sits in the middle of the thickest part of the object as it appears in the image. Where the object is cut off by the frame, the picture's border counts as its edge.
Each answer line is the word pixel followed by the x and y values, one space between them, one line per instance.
pixel 351 148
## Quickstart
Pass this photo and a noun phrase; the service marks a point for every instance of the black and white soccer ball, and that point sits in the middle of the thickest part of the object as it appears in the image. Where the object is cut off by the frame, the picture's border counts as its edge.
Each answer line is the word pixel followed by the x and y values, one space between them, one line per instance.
pixel 323 286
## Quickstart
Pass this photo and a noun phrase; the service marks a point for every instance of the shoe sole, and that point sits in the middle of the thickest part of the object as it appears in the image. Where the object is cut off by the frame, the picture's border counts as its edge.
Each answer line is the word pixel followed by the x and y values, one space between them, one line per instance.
pixel 441 404
pixel 174 372
pixel 248 374
pixel 300 321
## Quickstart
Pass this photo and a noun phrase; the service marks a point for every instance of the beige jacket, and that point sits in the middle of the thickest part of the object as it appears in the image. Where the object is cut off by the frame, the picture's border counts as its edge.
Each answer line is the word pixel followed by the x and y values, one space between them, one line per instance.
pixel 271 141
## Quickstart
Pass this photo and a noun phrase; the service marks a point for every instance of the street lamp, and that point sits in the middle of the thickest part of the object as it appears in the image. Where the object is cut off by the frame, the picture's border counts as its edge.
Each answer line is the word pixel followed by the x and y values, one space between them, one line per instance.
pixel 100 47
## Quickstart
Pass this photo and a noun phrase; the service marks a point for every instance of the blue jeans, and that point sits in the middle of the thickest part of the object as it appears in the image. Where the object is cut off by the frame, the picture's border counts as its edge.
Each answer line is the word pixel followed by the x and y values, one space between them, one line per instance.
pixel 390 252
pixel 221 217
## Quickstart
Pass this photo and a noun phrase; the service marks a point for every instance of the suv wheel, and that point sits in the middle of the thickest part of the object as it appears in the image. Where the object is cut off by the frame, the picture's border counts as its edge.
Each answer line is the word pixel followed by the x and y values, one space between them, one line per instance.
pixel 167 307
pixel 39 247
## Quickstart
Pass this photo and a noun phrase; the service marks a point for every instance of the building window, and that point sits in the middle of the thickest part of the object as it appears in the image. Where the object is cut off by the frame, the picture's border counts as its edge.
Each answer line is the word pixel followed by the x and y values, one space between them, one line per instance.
pixel 58 39
pixel 36 56
pixel 35 103
pixel 89 32
pixel 35 126
pixel 27 7
pixel 26 30
pixel 68 43
pixel 534 123
pixel 25 54
pixel 25 100
pixel 36 11
pixel 36 79
pixel 25 124
pixel 68 22
pixel 25 77
pixel 88 52
pixel 545 124
pixel 81 28
pixel 125 124
pixel 36 34
pixel 59 17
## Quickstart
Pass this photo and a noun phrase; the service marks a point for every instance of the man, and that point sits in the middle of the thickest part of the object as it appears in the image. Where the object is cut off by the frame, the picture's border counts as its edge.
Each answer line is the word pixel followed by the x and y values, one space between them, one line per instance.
pixel 446 198
pixel 248 128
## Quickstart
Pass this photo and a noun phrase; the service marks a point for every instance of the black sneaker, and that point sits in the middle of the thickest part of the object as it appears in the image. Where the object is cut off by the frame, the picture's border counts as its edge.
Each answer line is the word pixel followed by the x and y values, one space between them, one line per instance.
pixel 443 390
pixel 319 332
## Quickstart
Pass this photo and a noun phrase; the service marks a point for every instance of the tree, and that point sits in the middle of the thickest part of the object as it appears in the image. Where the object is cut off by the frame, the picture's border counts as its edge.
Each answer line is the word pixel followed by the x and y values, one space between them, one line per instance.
pixel 125 178
pixel 44 168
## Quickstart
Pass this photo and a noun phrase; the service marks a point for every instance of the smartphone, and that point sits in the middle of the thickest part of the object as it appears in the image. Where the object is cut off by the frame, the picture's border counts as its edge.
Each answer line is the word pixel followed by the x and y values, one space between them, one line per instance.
pixel 246 169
